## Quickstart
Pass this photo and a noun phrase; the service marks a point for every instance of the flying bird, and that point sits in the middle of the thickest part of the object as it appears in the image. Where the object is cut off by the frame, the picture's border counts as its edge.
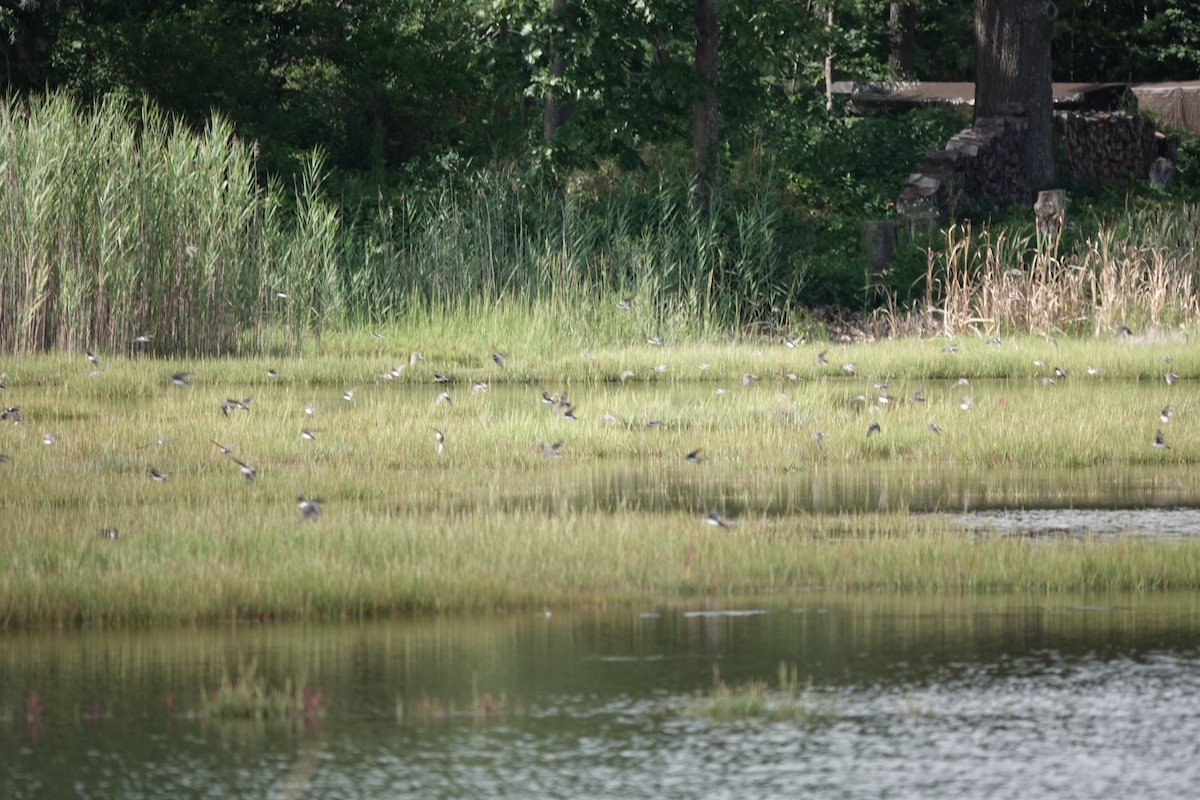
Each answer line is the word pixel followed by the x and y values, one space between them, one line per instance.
pixel 714 519
pixel 873 428
pixel 694 457
pixel 1159 442
pixel 181 379
pixel 159 477
pixel 249 472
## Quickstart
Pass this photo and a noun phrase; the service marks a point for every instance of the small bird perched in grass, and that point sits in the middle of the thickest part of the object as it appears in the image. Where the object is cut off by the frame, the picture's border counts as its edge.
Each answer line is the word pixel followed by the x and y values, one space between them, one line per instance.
pixel 309 510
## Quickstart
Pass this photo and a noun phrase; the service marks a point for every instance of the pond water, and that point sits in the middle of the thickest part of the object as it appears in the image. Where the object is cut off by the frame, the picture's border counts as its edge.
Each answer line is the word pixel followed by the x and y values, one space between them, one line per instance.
pixel 918 697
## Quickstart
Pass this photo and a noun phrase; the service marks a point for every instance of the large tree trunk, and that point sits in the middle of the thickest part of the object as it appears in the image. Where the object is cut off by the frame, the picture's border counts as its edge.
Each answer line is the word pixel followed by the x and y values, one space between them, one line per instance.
pixel 902 27
pixel 1012 74
pixel 704 109
pixel 555 113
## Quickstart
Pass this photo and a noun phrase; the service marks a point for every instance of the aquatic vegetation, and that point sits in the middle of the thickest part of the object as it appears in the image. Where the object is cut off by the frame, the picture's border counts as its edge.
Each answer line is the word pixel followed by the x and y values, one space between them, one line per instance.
pixel 482 707
pixel 246 695
pixel 754 700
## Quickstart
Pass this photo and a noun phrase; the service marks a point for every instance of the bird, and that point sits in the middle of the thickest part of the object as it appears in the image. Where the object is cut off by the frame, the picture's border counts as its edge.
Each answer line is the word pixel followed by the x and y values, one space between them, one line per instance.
pixel 181 379
pixel 11 414
pixel 625 303
pixel 480 387
pixel 694 457
pixel 143 339
pixel 549 450
pixel 415 358
pixel 1060 373
pixel 569 414
pixel 660 369
pixel 273 374
pixel 874 428
pixel 933 427
pixel 309 434
pixel 1095 372
pixel 625 375
pixel 994 341
pixel 748 378
pixel 225 449
pixel 820 359
pixel 155 443
pixel 159 477
pixel 440 438
pixel 249 472
pixel 916 397
pixel 965 402
pixel 791 343
pixel 1165 414
pixel 654 341
pixel 3 379
pixel 654 424
pixel 714 519
pixel 233 404
pixel 92 357
pixel 309 510
pixel 441 377
pixel 108 533
pixel 1170 378
pixel 49 439
pixel 1159 442
pixel 818 439
pixel 1123 330
pixel 849 367
pixel 499 359
pixel 348 395
pixel 3 459
pixel 444 397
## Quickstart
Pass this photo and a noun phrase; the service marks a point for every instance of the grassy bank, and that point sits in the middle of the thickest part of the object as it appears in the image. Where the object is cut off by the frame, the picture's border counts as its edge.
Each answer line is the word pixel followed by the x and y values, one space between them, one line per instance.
pixel 521 507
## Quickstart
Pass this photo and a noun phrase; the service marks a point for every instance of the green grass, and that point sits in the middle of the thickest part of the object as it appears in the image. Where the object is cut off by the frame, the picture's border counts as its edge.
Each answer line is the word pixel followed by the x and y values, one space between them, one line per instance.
pixel 491 523
pixel 248 696
pixel 754 700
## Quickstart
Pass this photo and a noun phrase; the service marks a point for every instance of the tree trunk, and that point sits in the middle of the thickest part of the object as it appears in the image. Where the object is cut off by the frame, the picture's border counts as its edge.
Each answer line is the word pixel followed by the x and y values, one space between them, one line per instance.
pixel 1012 74
pixel 902 27
pixel 554 113
pixel 704 109
pixel 829 60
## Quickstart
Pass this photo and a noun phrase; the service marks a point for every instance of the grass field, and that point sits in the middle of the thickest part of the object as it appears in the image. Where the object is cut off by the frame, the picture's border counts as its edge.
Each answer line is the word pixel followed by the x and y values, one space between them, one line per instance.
pixel 519 506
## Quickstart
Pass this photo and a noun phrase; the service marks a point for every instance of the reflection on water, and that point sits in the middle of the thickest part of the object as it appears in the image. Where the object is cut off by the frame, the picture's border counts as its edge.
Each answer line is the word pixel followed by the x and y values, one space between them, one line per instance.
pixel 930 697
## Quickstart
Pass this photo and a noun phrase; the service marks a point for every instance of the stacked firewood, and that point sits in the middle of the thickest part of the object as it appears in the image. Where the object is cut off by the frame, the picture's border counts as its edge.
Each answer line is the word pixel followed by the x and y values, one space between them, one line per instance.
pixel 1107 146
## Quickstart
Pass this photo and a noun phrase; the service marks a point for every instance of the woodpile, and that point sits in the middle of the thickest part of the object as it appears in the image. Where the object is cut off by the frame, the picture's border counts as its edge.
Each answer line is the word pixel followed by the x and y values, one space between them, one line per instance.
pixel 982 165
pixel 1104 146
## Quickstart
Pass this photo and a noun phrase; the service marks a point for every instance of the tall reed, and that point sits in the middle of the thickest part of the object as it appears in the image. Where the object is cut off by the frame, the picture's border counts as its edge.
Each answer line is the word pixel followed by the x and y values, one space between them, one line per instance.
pixel 114 227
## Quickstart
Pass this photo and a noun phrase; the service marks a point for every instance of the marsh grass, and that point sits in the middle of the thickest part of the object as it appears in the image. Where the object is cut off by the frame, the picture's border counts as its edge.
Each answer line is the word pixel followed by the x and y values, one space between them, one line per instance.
pixel 491 523
pixel 483 707
pixel 753 699
pixel 246 695
pixel 1138 270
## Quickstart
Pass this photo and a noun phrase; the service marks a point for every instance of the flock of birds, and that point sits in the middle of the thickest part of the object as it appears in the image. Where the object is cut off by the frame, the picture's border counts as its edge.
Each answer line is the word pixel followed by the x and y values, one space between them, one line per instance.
pixel 309 509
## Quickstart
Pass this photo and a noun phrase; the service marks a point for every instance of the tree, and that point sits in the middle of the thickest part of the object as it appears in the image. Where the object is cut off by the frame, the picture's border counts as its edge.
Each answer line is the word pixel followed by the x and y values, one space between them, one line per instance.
pixel 704 107
pixel 1012 75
